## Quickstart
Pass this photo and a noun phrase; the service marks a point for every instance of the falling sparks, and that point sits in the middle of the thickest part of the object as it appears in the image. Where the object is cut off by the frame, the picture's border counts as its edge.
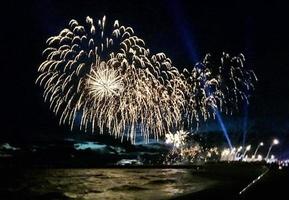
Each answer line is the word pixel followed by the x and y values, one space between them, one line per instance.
pixel 107 75
pixel 176 139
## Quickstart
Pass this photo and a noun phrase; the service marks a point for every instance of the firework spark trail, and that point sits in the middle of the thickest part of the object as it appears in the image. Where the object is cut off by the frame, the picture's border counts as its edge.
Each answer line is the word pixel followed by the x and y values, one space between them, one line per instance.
pixel 109 76
pixel 215 86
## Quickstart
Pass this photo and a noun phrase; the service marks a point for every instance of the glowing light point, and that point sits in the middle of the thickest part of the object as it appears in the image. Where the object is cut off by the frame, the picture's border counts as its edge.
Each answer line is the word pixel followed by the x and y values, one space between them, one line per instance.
pixel 275 141
pixel 261 144
pixel 248 148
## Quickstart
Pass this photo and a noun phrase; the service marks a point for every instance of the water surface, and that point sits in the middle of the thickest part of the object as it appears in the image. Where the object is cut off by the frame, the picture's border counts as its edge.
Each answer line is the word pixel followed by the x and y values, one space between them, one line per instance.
pixel 109 184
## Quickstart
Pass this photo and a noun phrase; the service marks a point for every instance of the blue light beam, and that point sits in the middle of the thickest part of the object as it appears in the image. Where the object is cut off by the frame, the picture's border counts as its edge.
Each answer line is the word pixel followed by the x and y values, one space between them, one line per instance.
pixel 223 127
pixel 191 46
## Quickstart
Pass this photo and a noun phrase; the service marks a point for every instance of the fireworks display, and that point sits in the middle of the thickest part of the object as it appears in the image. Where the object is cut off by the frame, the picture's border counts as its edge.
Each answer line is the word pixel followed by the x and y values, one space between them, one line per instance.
pixel 105 74
pixel 176 139
pixel 217 86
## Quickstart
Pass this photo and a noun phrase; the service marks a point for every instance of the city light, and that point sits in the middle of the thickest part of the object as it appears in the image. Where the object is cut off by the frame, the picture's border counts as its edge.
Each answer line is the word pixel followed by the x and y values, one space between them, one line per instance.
pixel 255 153
pixel 274 142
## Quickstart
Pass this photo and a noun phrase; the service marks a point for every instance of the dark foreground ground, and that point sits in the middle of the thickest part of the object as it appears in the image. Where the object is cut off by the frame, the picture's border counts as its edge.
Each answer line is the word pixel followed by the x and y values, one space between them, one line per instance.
pixel 273 184
pixel 215 180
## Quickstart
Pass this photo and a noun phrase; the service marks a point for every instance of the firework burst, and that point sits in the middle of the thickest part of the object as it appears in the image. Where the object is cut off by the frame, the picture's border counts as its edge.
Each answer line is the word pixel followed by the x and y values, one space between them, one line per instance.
pixel 105 73
pixel 104 82
pixel 176 139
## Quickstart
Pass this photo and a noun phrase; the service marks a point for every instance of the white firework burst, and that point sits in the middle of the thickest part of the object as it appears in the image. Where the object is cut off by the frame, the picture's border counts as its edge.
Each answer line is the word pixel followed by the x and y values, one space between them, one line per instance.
pixel 104 82
pixel 176 139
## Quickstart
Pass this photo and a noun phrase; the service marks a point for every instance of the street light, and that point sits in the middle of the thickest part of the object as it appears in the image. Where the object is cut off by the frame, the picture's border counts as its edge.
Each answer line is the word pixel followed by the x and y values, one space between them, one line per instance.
pixel 238 153
pixel 274 142
pixel 240 148
pixel 259 145
pixel 248 147
pixel 246 150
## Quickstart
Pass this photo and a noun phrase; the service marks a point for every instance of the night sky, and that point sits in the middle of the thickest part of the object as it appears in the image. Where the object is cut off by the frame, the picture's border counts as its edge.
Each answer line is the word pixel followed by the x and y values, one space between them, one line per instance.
pixel 184 30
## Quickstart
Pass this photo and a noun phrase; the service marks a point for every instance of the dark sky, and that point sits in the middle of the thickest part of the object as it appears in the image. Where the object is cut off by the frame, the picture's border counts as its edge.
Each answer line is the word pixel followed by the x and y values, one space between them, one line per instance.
pixel 184 30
